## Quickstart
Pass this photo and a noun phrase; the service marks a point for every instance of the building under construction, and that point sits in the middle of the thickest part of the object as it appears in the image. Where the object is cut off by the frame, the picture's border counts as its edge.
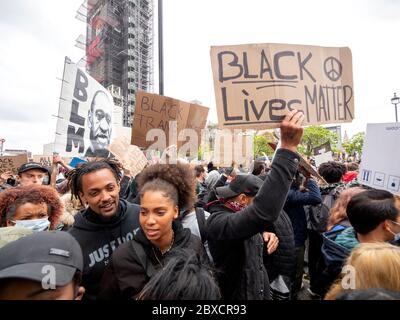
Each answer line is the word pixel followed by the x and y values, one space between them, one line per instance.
pixel 119 48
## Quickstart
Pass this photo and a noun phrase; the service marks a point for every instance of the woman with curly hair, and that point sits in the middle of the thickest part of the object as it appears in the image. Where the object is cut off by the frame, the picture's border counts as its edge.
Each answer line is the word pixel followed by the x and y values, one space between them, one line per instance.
pixel 35 207
pixel 165 191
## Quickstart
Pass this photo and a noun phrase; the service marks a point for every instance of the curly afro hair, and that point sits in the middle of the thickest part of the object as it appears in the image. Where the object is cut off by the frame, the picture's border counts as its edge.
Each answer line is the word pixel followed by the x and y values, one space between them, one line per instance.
pixel 177 181
pixel 12 198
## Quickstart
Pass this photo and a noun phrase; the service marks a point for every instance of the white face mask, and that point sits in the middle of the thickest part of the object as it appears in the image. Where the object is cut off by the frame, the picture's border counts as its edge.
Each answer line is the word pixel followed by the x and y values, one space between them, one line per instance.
pixel 35 225
pixel 396 235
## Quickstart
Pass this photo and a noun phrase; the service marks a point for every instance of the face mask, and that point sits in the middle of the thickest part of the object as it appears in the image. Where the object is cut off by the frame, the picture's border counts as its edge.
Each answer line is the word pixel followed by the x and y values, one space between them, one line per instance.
pixel 396 235
pixel 235 206
pixel 35 225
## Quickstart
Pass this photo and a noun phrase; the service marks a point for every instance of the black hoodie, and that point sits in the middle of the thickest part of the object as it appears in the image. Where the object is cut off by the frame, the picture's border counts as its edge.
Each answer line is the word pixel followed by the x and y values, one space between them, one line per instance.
pixel 98 240
pixel 125 276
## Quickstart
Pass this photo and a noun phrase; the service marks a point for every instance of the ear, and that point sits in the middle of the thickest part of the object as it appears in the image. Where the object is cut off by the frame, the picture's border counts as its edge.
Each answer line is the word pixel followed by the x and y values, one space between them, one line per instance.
pixel 386 225
pixel 10 223
pixel 242 198
pixel 80 293
pixel 176 209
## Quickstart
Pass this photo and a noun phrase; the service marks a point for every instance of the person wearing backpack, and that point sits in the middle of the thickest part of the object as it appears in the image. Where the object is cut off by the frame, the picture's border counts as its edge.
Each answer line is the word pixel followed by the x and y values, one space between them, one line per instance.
pixel 299 196
pixel 318 217
pixel 165 190
pixel 374 216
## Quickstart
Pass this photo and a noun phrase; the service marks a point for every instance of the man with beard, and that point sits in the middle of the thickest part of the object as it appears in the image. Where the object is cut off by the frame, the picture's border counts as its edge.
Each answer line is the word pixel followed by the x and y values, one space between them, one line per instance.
pixel 100 125
pixel 107 222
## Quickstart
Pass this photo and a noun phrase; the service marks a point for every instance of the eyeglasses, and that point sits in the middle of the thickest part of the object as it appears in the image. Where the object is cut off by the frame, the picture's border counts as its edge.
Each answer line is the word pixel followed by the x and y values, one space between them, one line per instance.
pixel 395 222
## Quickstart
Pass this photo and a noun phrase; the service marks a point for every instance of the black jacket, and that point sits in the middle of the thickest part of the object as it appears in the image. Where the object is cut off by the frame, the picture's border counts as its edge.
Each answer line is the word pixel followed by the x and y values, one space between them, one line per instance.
pixel 235 239
pixel 99 239
pixel 283 260
pixel 125 276
pixel 295 210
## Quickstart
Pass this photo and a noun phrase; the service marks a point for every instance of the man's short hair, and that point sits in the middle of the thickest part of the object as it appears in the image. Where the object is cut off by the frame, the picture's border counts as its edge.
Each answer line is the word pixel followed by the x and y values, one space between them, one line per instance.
pixel 369 209
pixel 199 169
pixel 332 171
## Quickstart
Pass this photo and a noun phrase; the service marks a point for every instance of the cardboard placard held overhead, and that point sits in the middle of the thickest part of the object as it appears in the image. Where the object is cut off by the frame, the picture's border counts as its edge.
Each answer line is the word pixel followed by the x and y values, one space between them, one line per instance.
pixel 323 157
pixel 12 163
pixel 153 111
pixel 323 148
pixel 43 160
pixel 257 84
pixel 381 157
pixel 131 157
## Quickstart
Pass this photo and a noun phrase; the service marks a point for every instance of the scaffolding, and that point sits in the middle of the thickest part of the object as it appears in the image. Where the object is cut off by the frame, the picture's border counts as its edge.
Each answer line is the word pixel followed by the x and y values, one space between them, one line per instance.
pixel 119 50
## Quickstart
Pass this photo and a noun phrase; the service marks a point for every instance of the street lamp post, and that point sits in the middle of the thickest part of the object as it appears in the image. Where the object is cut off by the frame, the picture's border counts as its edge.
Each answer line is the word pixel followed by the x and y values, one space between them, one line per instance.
pixel 395 100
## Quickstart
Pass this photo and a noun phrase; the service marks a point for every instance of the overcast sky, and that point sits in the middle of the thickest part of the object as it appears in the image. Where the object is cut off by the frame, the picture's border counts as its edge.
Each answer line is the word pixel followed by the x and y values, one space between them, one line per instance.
pixel 36 35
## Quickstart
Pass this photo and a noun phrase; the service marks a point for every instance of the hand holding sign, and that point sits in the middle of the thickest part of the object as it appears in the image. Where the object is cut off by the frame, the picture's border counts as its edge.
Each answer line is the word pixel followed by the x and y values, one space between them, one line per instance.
pixel 291 130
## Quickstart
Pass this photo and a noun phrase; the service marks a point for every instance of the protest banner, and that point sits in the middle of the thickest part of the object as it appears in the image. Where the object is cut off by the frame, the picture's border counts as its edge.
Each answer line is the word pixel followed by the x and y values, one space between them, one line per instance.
pixel 381 157
pixel 256 85
pixel 43 160
pixel 131 157
pixel 153 111
pixel 12 163
pixel 323 148
pixel 323 157
pixel 85 116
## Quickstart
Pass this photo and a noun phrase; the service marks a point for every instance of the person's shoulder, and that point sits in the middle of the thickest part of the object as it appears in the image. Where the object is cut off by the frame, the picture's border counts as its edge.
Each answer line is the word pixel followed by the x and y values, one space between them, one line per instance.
pixel 124 253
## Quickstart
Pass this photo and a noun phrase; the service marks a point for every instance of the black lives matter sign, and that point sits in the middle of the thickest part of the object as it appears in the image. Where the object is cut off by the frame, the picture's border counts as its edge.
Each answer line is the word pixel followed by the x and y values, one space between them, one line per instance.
pixel 257 85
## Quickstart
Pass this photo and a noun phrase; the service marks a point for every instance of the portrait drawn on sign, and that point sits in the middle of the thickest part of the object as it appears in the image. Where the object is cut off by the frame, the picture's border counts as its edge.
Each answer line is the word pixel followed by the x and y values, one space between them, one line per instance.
pixel 99 123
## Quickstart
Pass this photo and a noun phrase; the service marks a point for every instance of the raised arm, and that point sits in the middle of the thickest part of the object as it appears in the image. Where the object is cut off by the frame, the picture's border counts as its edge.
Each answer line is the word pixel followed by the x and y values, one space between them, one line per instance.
pixel 269 201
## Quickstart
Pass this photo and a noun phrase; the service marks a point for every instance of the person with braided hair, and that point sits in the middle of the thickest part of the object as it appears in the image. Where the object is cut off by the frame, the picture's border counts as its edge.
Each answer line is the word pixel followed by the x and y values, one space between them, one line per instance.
pixel 165 191
pixel 107 221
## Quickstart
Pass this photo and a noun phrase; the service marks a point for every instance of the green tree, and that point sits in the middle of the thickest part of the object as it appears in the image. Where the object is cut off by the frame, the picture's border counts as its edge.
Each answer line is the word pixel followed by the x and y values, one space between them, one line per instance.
pixel 315 136
pixel 355 144
pixel 261 146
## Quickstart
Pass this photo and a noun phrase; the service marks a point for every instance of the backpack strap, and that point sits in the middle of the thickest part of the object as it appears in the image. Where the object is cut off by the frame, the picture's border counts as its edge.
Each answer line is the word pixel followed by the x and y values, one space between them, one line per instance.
pixel 201 222
pixel 143 259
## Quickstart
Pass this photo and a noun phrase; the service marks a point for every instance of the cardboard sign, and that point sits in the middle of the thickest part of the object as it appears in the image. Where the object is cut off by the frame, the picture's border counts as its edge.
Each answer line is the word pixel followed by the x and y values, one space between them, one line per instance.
pixel 257 84
pixel 153 111
pixel 381 157
pixel 303 164
pixel 12 163
pixel 86 115
pixel 131 157
pixel 324 148
pixel 323 157
pixel 307 167
pixel 43 160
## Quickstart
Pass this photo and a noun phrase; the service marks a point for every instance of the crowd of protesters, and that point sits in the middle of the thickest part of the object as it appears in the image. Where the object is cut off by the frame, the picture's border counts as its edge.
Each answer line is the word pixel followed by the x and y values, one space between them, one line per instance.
pixel 182 232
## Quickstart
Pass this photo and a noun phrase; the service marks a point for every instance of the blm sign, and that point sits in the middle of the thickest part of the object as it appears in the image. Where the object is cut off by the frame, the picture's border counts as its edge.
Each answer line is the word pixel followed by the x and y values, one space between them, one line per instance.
pixel 257 84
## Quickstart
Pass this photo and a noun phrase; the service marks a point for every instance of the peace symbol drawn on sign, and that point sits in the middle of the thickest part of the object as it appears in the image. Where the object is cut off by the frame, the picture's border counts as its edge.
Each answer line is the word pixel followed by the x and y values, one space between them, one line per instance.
pixel 333 68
